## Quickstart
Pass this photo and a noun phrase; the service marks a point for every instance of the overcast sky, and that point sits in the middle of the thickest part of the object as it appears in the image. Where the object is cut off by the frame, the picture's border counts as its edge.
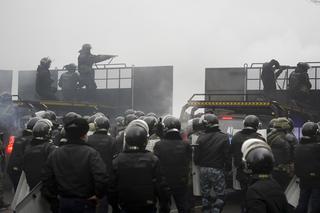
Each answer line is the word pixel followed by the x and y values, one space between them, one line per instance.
pixel 188 34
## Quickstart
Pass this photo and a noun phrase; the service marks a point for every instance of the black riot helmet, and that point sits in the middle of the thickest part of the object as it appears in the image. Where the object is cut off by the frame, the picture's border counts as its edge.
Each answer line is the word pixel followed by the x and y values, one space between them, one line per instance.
pixel 129 111
pixel 129 118
pixel 196 125
pixel 275 63
pixel 136 137
pixel 209 120
pixel 102 123
pixel 119 121
pixel 45 62
pixel 171 124
pixel 152 114
pixel 76 128
pixel 69 117
pixel 310 129
pixel 139 113
pixel 260 161
pixel 70 67
pixel 30 124
pixel 152 123
pixel 251 122
pixel 257 156
pixel 42 129
pixel 302 67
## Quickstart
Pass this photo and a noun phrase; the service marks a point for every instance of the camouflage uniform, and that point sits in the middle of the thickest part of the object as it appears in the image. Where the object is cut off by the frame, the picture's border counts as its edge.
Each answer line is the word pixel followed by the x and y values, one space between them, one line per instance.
pixel 212 182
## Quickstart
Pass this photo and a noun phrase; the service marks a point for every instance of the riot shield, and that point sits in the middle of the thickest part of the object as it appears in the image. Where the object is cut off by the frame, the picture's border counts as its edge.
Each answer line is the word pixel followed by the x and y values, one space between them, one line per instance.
pixel 293 192
pixel 195 170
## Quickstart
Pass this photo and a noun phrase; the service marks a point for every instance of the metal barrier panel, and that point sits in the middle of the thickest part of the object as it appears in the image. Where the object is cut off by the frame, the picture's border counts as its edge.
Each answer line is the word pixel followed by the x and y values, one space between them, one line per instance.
pixel 225 79
pixel 27 83
pixel 6 81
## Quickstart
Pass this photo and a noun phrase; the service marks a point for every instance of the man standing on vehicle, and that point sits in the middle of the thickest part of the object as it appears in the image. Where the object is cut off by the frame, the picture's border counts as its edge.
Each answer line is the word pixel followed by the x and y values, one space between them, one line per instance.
pixel 85 63
pixel 69 82
pixel 270 72
pixel 212 156
pixel 43 80
pixel 299 83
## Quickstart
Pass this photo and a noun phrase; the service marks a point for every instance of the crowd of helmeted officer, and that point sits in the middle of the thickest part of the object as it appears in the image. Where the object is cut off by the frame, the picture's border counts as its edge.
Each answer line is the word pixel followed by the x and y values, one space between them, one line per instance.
pixel 141 161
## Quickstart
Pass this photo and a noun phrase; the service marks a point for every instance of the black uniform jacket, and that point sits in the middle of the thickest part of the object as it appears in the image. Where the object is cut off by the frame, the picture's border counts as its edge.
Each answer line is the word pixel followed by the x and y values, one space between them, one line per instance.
pixel 34 159
pixel 105 145
pixel 213 150
pixel 266 196
pixel 307 162
pixel 137 179
pixel 75 170
pixel 237 141
pixel 175 157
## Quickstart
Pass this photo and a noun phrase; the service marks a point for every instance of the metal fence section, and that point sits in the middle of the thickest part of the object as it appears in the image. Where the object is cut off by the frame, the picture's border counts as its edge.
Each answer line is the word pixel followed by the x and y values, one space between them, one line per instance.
pixel 110 76
pixel 254 82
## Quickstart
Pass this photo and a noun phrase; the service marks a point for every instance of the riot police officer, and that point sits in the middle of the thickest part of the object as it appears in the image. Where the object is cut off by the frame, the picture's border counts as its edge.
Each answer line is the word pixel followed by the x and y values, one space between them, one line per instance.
pixel 154 138
pixel 299 84
pixel 137 176
pixel 75 172
pixel 264 194
pixel 212 156
pixel 282 147
pixel 14 168
pixel 307 168
pixel 37 151
pixel 101 141
pixel 251 124
pixel 120 145
pixel 270 72
pixel 69 82
pixel 85 63
pixel 175 158
pixel 44 87
pixel 118 126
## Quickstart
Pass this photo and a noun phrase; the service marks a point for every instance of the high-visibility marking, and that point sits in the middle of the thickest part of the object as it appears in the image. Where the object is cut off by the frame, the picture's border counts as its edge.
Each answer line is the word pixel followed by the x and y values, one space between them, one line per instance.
pixel 229 103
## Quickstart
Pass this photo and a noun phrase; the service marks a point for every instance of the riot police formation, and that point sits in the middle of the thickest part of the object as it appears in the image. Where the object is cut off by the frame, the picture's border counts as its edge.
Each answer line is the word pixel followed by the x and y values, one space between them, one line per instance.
pixel 69 82
pixel 212 156
pixel 44 87
pixel 251 124
pixel 264 194
pixel 175 157
pixel 307 168
pixel 88 172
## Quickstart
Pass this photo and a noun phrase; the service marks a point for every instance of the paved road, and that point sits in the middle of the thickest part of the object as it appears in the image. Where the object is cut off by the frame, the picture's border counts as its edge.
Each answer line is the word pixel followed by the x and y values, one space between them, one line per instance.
pixel 232 205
